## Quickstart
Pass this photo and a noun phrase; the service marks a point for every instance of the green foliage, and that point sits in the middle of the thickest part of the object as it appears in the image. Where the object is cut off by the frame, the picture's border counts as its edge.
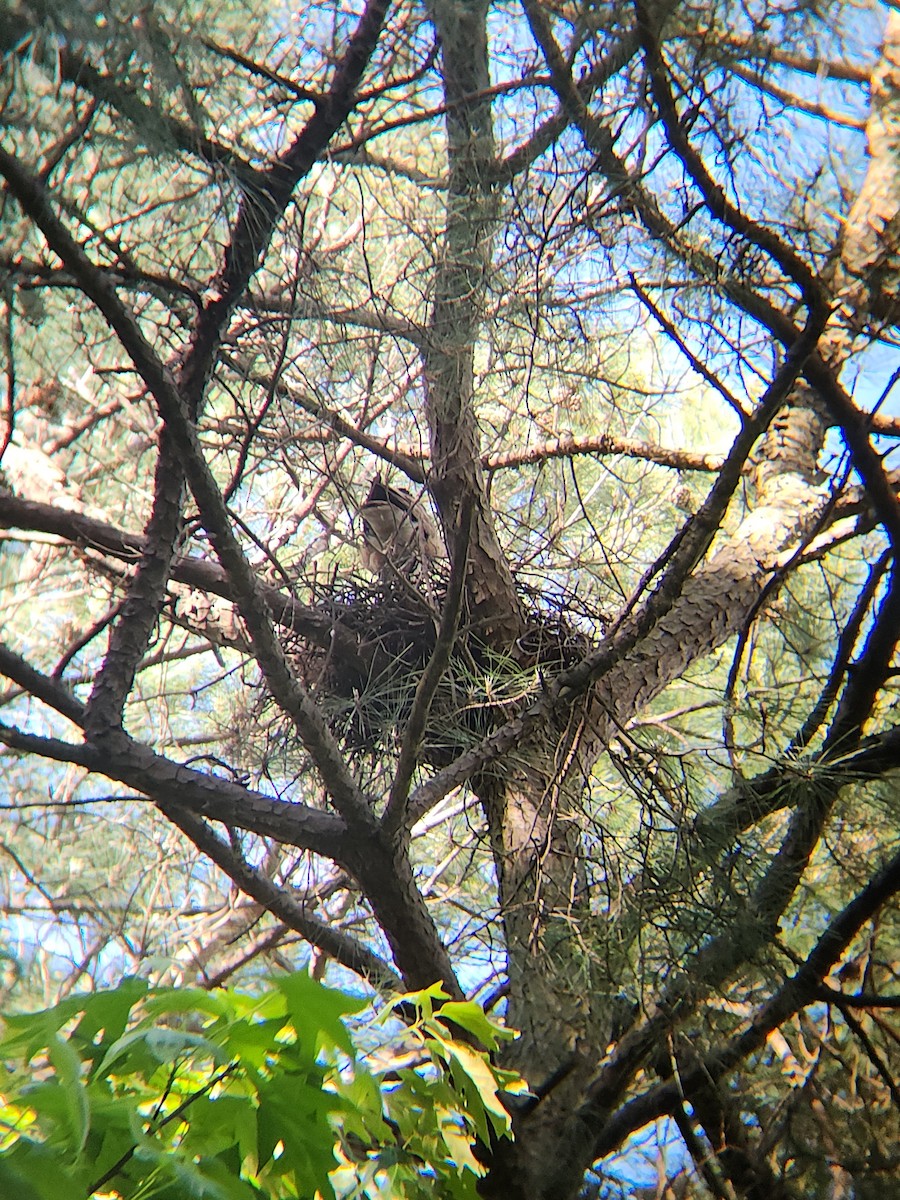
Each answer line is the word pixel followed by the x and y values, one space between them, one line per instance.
pixel 169 1092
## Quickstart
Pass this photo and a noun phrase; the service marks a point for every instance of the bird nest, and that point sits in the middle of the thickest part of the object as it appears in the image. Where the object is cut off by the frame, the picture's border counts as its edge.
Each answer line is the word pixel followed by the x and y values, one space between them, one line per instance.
pixel 367 697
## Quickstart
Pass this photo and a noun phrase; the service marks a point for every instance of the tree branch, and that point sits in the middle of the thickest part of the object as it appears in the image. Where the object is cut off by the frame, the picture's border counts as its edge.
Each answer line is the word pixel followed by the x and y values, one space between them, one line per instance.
pixel 183 436
pixel 803 988
pixel 394 818
pixel 687 549
pixel 279 901
pixel 75 69
pixel 603 445
pixel 320 628
pixel 167 782
pixel 713 194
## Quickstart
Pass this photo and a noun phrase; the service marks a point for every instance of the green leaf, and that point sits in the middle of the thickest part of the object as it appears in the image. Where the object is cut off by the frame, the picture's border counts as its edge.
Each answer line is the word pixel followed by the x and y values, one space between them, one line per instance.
pixel 425 1001
pixel 14 1183
pixel 143 1049
pixel 272 1129
pixel 317 1010
pixel 458 1142
pixel 68 1067
pixel 253 1042
pixel 108 1012
pixel 30 1169
pixel 471 1016
pixel 479 1072
pixel 167 1001
pixel 29 1033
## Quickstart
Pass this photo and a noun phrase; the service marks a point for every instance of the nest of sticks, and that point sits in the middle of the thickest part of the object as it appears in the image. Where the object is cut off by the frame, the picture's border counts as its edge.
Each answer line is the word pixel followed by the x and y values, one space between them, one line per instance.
pixel 394 626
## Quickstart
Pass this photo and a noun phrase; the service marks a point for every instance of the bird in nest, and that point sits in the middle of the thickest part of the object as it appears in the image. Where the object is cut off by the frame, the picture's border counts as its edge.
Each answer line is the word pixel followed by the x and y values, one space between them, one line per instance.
pixel 398 530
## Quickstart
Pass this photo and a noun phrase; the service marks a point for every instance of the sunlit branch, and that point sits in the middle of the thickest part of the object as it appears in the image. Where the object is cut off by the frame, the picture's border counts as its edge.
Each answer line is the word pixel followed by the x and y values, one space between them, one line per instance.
pixel 604 445
pixel 413 463
pixel 815 790
pixel 306 400
pixel 819 375
pixel 686 551
pixel 698 1151
pixel 457 310
pixel 69 138
pixel 757 49
pixel 363 157
pixel 358 317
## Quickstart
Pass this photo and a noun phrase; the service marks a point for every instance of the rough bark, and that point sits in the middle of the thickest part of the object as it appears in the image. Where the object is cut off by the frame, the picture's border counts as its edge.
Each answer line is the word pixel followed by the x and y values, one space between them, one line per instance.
pixel 870 246
pixel 464 256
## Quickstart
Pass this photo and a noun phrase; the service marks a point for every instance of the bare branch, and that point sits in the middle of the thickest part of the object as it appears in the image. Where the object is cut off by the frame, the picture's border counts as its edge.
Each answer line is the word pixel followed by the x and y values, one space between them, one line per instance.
pixel 99 536
pixel 282 904
pixel 603 445
pixel 414 731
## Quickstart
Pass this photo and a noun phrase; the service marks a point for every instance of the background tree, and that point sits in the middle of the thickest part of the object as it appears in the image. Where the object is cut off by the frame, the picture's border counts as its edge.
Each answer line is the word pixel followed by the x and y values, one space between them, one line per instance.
pixel 612 288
